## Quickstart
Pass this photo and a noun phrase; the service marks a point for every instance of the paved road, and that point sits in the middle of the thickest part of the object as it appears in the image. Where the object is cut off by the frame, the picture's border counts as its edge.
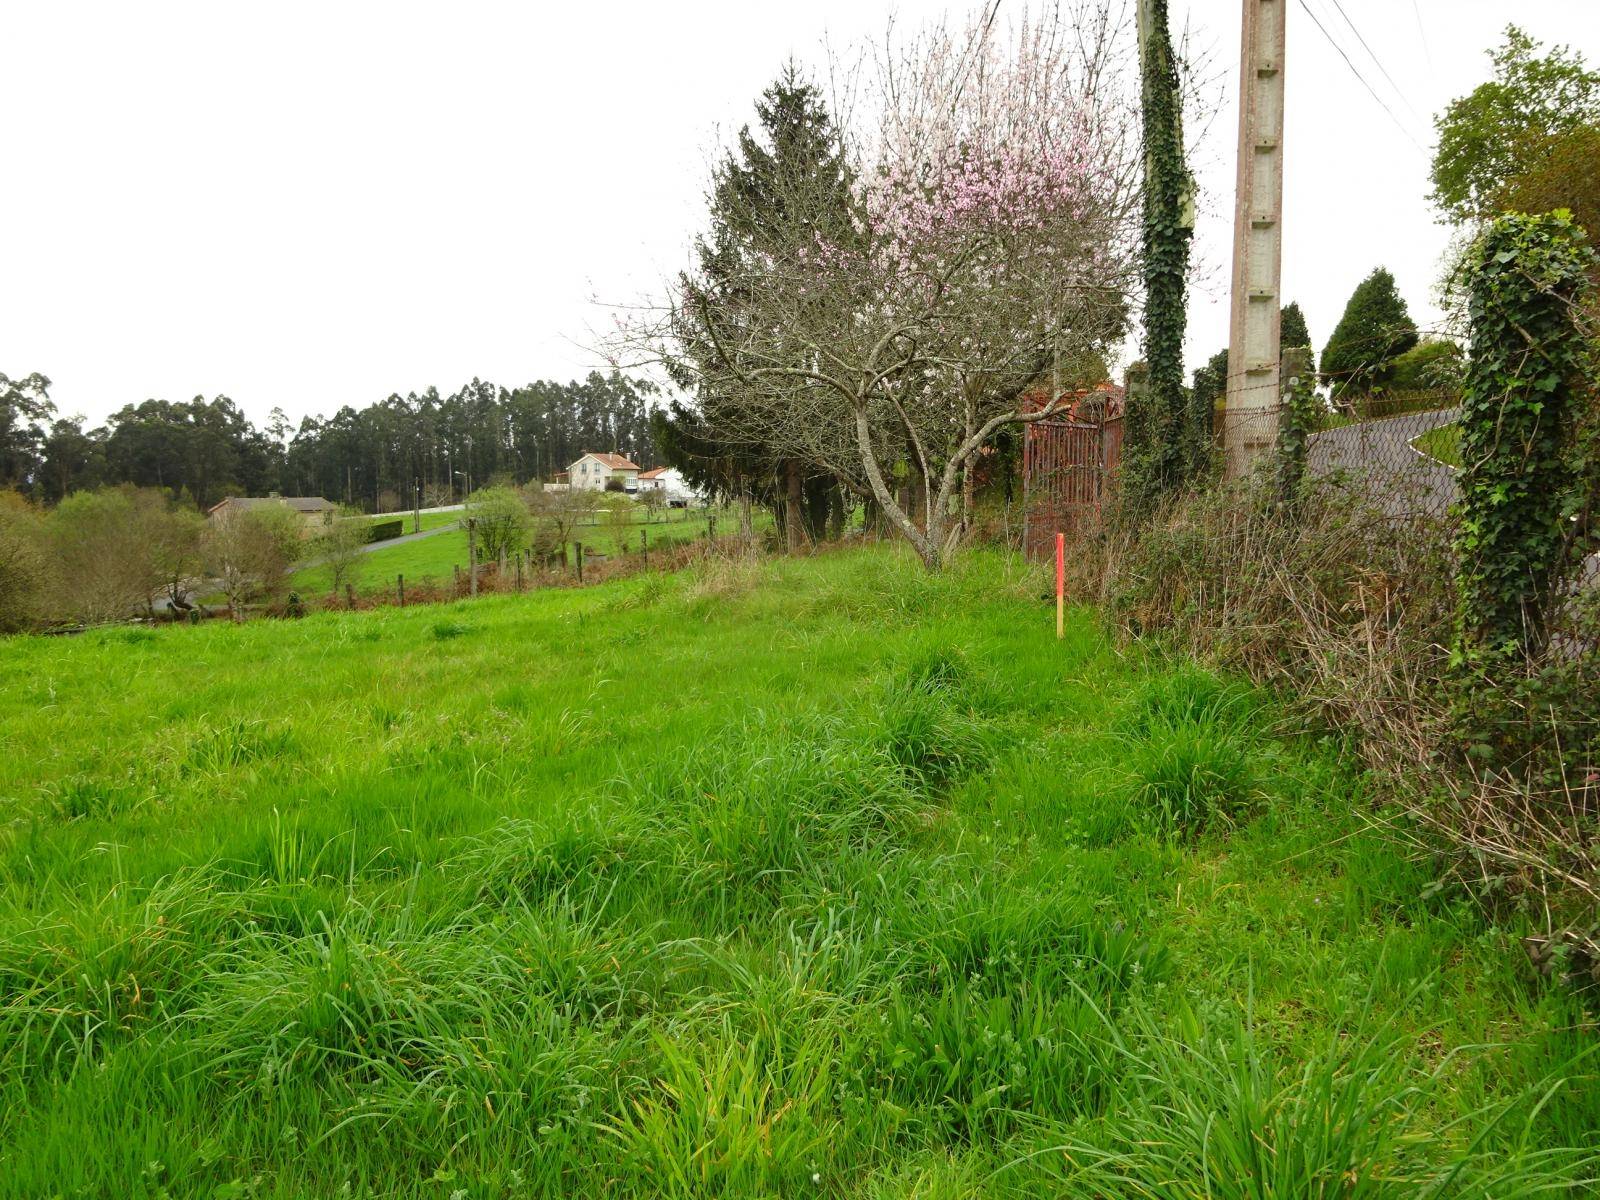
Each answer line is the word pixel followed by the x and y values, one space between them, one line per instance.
pixel 396 541
pixel 1405 481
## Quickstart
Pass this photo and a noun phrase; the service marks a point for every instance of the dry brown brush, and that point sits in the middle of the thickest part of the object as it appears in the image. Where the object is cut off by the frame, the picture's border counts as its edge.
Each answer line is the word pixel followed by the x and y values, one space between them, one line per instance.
pixel 1347 609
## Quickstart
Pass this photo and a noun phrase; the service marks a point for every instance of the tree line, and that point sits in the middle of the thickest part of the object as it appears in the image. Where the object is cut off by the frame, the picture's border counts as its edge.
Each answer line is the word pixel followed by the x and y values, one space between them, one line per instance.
pixel 371 458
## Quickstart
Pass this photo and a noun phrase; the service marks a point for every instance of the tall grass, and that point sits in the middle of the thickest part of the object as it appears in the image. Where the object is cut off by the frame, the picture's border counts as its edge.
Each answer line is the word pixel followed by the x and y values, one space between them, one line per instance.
pixel 770 879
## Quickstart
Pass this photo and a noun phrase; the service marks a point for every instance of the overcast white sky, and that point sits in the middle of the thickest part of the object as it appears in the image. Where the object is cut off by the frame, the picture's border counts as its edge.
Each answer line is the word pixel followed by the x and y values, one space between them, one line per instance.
pixel 314 204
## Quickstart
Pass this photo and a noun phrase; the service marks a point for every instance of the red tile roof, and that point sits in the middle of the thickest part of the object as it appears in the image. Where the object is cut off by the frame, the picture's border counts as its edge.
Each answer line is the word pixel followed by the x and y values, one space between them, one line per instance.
pixel 613 461
pixel 654 472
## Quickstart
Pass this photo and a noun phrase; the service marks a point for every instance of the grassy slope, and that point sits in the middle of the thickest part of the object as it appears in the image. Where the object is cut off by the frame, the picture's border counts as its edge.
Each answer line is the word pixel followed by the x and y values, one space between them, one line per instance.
pixel 817 878
pixel 430 520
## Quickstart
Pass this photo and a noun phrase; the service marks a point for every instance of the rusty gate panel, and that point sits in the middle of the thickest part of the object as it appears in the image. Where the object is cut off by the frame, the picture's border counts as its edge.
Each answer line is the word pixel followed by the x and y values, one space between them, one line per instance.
pixel 1069 467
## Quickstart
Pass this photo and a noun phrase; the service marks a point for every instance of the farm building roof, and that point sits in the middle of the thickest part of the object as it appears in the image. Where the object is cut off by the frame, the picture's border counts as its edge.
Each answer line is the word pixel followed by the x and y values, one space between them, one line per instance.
pixel 303 504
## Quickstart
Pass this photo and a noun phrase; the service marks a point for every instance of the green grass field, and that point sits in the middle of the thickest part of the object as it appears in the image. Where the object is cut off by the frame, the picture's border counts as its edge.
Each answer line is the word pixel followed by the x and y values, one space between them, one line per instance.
pixel 431 520
pixel 1443 443
pixel 437 557
pixel 802 878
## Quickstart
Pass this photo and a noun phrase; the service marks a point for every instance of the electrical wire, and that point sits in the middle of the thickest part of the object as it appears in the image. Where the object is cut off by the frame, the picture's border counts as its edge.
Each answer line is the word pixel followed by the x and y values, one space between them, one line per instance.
pixel 1422 32
pixel 1400 125
pixel 1373 55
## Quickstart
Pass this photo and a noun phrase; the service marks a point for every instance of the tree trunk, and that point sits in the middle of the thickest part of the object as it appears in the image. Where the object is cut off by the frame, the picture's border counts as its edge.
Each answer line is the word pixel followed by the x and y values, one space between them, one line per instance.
pixel 794 507
pixel 924 543
pixel 968 490
pixel 818 493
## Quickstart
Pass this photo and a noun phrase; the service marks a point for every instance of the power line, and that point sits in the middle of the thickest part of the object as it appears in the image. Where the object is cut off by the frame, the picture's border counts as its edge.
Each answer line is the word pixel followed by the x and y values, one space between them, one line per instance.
pixel 1422 32
pixel 1362 78
pixel 1373 55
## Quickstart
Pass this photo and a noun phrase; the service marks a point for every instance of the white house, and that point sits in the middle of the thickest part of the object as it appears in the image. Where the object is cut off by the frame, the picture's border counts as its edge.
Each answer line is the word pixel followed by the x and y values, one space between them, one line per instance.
pixel 593 471
pixel 671 483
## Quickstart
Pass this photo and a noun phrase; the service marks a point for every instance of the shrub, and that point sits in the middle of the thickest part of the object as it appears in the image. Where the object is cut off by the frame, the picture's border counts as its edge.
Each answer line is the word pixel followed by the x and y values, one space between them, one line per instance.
pixel 1375 328
pixel 339 546
pixel 501 521
pixel 250 551
pixel 100 546
pixel 1521 538
pixel 382 531
pixel 1321 601
pixel 1433 363
pixel 23 567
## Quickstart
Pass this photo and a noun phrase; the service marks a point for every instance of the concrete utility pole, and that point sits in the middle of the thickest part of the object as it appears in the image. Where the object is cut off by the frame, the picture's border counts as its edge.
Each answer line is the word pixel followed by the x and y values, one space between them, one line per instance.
pixel 1250 418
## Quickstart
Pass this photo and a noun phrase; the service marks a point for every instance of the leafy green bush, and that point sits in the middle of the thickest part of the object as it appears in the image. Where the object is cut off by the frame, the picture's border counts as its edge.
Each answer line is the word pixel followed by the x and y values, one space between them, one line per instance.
pixel 382 531
pixel 24 568
pixel 1433 363
pixel 1524 515
pixel 1376 328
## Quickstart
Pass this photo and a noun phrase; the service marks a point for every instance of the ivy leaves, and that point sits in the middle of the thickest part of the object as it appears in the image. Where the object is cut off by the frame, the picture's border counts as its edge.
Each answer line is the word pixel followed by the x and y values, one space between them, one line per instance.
pixel 1517 542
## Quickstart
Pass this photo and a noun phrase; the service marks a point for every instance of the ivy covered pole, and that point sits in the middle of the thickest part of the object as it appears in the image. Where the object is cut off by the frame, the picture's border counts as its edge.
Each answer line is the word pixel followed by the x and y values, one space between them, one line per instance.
pixel 1160 456
pixel 1518 543
pixel 1296 421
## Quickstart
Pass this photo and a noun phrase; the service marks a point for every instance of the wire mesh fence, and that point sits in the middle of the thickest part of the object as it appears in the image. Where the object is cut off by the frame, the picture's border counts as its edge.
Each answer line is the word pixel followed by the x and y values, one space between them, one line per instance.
pixel 1398 452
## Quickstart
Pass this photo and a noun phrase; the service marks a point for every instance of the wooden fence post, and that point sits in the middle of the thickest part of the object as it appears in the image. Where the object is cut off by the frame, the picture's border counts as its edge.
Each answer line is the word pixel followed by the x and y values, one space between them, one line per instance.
pixel 644 545
pixel 350 595
pixel 472 554
pixel 578 554
pixel 519 570
pixel 400 589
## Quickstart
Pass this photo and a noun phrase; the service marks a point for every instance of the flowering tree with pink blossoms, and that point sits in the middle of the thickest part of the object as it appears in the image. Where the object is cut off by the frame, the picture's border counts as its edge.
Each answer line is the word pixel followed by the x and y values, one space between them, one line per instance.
pixel 987 236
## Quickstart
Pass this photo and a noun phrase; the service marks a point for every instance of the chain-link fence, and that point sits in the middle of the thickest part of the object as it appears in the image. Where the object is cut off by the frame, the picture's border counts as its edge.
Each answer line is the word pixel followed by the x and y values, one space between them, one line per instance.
pixel 1399 453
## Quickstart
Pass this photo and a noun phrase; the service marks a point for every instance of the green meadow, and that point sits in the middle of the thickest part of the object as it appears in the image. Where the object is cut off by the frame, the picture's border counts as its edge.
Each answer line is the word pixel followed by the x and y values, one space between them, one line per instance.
pixel 435 558
pixel 792 878
pixel 428 520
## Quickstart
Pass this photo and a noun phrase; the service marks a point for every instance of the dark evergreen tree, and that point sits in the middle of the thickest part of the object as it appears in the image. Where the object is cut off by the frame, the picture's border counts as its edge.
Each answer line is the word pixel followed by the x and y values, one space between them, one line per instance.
pixel 796 152
pixel 1292 331
pixel 1375 328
